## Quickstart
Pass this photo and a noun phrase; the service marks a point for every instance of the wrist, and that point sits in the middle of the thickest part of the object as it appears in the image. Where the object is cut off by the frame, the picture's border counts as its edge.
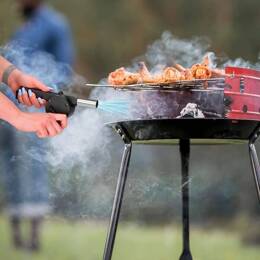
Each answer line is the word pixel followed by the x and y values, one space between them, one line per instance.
pixel 15 117
pixel 10 77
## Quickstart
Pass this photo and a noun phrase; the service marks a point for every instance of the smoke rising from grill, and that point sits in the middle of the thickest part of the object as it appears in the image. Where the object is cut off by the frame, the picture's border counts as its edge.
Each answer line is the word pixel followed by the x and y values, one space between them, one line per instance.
pixel 87 143
pixel 86 128
pixel 169 50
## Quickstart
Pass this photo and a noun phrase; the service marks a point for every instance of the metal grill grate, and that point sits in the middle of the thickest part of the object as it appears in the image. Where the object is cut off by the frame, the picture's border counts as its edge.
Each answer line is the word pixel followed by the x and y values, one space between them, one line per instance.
pixel 213 83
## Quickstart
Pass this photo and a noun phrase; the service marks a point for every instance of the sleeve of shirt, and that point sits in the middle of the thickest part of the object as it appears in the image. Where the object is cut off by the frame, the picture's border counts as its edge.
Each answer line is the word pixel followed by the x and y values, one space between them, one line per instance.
pixel 32 35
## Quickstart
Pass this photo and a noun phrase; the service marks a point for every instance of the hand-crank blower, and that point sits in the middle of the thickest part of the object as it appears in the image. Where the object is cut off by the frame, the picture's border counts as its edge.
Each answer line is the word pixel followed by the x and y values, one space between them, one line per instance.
pixel 63 104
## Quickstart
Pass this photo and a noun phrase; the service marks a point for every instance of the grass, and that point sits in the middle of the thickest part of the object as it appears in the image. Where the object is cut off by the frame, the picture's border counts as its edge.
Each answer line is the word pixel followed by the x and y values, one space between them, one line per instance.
pixel 64 240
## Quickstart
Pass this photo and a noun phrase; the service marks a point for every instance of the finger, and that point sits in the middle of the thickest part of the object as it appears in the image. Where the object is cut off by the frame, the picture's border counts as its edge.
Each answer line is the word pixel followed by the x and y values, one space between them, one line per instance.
pixel 42 101
pixel 34 100
pixel 37 84
pixel 25 98
pixel 51 130
pixel 42 133
pixel 62 119
pixel 20 99
pixel 57 127
pixel 39 134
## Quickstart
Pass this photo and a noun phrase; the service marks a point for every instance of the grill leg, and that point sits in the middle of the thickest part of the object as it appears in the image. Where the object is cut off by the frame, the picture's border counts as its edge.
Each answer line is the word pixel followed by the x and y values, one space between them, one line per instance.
pixel 121 181
pixel 255 167
pixel 185 156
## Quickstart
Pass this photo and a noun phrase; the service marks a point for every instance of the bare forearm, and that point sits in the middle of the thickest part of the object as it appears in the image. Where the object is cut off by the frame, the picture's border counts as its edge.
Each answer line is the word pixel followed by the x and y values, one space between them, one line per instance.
pixel 11 77
pixel 4 64
pixel 8 111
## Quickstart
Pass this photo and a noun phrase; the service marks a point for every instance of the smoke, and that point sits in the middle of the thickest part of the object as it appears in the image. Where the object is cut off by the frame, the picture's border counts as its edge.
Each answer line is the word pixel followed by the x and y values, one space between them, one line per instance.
pixel 240 62
pixel 170 49
pixel 86 131
pixel 41 65
pixel 88 143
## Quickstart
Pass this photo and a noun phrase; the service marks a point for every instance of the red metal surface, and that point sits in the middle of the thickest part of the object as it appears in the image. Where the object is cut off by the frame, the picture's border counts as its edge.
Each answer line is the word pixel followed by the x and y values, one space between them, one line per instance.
pixel 243 89
pixel 242 72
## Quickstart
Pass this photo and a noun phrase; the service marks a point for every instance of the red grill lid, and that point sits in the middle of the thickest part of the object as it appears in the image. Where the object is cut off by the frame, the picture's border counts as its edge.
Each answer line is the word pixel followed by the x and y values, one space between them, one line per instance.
pixel 243 89
pixel 242 72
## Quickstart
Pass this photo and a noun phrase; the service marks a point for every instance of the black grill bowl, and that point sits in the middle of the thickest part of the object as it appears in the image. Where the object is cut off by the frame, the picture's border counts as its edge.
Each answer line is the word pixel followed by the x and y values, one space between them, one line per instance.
pixel 201 131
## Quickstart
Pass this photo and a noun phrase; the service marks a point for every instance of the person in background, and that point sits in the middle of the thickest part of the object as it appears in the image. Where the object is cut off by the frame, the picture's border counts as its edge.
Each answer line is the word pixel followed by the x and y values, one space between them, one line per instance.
pixel 43 30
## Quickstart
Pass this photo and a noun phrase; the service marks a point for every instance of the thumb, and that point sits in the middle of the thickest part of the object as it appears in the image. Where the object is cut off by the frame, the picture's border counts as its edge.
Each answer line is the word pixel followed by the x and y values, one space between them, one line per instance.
pixel 37 84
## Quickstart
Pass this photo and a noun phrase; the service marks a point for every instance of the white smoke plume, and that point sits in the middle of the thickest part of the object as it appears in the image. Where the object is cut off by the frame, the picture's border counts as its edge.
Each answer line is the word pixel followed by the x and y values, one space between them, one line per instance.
pixel 170 49
pixel 87 143
pixel 86 132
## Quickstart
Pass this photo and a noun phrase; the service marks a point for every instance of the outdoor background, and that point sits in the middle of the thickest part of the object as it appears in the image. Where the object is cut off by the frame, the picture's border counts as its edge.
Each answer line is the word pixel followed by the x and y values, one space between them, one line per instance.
pixel 225 214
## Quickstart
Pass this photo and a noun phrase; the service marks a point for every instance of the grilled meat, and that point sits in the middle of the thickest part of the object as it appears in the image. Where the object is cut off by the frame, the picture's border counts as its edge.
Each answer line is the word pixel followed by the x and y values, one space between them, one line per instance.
pixel 123 77
pixel 171 75
pixel 168 75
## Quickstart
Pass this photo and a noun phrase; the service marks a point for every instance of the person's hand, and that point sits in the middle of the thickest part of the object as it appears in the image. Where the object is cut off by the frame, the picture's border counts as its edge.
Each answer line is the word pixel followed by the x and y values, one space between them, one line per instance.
pixel 18 79
pixel 43 124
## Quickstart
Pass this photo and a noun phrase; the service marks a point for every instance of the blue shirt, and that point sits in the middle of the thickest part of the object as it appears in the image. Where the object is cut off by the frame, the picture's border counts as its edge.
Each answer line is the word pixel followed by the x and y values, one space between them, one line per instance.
pixel 47 31
pixel 43 47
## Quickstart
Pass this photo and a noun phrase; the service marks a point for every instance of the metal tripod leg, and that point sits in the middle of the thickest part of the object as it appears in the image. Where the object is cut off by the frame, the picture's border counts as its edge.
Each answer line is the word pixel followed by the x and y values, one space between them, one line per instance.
pixel 185 156
pixel 254 159
pixel 117 202
pixel 255 167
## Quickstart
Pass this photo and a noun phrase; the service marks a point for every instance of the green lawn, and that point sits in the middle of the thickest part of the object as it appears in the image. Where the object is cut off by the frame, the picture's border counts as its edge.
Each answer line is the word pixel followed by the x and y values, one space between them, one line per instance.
pixel 64 240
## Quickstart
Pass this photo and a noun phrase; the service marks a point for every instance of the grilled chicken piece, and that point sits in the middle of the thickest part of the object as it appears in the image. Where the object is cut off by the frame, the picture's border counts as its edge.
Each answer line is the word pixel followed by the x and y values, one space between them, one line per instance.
pixel 214 72
pixel 143 70
pixel 179 67
pixel 171 74
pixel 123 77
pixel 202 70
pixel 186 74
pixel 144 73
pixel 154 79
pixel 146 76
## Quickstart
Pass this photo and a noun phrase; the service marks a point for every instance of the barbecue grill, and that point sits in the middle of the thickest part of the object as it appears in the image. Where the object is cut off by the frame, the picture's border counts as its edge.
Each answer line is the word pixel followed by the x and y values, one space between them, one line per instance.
pixel 215 111
pixel 212 111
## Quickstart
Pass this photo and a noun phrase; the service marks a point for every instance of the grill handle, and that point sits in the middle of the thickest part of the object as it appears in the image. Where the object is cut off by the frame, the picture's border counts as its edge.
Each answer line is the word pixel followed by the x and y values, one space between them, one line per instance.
pixel 56 102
